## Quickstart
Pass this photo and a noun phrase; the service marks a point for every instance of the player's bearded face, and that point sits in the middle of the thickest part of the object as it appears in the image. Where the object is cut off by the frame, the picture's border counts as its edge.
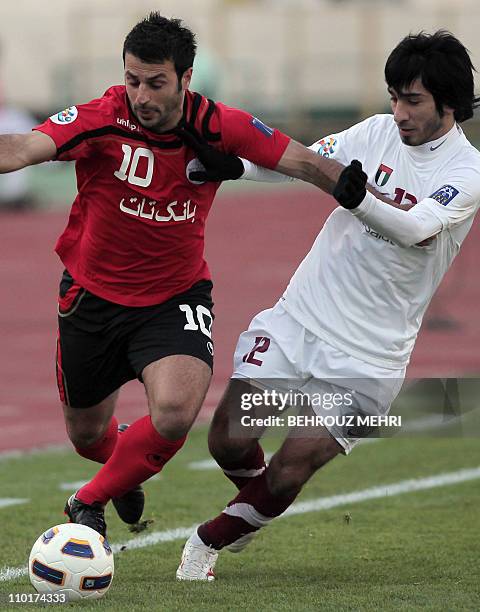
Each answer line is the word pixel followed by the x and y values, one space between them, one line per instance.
pixel 417 116
pixel 154 93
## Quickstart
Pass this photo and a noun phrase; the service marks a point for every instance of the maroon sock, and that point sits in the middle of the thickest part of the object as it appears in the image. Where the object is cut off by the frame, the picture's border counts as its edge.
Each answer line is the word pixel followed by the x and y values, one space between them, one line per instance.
pixel 242 472
pixel 140 453
pixel 254 507
pixel 101 450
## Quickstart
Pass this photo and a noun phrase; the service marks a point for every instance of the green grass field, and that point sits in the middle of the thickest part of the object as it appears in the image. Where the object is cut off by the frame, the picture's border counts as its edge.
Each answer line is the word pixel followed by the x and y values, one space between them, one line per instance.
pixel 416 550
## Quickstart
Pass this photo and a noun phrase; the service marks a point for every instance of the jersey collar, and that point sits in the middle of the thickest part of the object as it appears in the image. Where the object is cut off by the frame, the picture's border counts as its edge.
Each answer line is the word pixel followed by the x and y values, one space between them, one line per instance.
pixel 435 148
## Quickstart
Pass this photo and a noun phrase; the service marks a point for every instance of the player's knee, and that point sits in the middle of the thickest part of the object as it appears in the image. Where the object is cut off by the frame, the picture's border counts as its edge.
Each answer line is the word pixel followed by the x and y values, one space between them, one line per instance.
pixel 172 423
pixel 287 472
pixel 286 480
pixel 83 434
pixel 219 443
pixel 226 450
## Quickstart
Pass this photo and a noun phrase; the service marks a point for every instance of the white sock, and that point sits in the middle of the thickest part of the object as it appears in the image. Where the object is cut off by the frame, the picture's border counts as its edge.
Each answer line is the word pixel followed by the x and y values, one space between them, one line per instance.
pixel 196 540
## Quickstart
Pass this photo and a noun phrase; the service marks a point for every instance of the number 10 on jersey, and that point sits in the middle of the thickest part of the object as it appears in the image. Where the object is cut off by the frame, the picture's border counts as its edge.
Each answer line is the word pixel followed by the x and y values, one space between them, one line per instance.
pixel 129 166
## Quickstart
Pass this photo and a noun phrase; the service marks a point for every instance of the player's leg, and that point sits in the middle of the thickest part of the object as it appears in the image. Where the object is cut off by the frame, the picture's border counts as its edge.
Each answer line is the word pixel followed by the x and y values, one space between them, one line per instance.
pixel 360 389
pixel 88 388
pixel 257 503
pixel 258 357
pixel 92 364
pixel 242 460
pixel 93 431
pixel 268 496
pixel 240 457
pixel 176 387
pixel 365 390
pixel 172 354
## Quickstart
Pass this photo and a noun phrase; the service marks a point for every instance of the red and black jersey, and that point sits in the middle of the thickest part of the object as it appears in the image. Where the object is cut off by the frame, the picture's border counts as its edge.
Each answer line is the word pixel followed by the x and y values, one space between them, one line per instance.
pixel 135 235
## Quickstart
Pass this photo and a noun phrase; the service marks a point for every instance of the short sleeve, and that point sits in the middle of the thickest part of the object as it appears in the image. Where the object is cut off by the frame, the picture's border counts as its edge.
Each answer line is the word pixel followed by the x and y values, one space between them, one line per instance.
pixel 246 136
pixel 72 128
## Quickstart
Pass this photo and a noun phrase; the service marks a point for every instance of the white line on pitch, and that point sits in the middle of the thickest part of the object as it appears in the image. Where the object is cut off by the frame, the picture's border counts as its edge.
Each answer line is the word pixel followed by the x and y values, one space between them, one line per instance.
pixel 211 464
pixel 78 484
pixel 397 488
pixel 12 501
pixel 72 486
pixel 313 505
pixel 19 453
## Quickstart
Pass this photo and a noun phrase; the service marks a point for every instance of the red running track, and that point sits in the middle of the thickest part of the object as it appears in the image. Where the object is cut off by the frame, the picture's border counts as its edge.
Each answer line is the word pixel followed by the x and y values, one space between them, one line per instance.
pixel 254 243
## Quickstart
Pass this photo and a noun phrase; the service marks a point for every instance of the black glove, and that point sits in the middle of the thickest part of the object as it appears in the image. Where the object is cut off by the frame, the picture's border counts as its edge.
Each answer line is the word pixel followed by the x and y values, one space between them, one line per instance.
pixel 350 188
pixel 218 166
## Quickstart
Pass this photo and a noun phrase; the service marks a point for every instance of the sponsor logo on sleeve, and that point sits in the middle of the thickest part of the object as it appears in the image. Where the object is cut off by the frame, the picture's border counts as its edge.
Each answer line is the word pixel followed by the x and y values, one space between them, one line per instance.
pixel 267 131
pixel 327 146
pixel 383 174
pixel 66 116
pixel 445 194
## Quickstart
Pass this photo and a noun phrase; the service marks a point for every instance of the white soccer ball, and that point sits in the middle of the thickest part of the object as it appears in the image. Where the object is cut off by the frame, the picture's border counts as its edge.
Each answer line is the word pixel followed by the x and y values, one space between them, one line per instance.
pixel 71 560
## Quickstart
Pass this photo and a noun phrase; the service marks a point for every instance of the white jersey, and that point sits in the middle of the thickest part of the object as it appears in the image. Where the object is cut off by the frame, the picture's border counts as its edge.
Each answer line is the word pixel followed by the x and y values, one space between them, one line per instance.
pixel 358 290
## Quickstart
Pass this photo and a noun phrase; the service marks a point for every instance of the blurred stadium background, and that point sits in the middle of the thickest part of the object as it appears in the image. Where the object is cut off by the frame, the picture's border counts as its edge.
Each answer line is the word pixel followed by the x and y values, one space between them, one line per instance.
pixel 309 67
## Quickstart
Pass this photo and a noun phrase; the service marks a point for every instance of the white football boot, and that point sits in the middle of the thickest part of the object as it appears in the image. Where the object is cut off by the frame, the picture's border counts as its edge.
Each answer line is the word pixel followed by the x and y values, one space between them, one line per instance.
pixel 198 560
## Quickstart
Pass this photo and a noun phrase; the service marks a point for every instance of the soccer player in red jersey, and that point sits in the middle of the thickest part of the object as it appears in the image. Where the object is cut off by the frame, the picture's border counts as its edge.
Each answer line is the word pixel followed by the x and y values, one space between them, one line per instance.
pixel 135 297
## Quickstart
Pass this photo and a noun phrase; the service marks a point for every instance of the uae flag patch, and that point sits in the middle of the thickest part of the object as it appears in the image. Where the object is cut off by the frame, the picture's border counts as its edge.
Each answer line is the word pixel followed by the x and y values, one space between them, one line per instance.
pixel 383 174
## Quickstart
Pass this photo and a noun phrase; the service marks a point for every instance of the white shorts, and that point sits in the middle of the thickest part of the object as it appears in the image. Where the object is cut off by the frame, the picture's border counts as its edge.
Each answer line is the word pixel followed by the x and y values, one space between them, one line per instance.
pixel 277 352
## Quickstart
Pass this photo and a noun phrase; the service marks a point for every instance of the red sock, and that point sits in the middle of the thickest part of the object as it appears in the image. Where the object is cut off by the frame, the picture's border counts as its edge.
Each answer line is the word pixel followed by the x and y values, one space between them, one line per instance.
pixel 254 507
pixel 101 450
pixel 242 472
pixel 140 453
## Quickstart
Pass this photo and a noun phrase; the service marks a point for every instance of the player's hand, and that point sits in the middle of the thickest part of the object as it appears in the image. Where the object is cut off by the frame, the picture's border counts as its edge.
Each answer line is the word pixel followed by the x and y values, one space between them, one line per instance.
pixel 351 186
pixel 218 166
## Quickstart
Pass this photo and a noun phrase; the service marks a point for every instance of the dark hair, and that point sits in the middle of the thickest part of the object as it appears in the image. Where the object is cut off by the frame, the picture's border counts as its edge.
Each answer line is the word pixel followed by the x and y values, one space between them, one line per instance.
pixel 157 39
pixel 444 66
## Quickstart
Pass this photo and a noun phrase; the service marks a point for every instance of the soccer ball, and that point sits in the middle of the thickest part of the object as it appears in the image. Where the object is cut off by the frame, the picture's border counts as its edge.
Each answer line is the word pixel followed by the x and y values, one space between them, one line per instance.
pixel 73 560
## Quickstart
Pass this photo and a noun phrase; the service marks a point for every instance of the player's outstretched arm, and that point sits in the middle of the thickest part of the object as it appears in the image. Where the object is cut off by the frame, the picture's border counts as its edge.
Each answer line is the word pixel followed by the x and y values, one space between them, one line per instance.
pixel 296 162
pixel 304 164
pixel 20 150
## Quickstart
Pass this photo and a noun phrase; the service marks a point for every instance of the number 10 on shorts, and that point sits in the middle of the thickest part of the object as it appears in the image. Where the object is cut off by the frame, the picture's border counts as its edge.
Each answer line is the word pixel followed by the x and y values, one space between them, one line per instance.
pixel 203 317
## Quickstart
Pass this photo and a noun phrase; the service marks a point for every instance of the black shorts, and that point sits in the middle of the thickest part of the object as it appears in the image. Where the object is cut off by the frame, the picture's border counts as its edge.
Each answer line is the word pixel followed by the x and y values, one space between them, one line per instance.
pixel 102 345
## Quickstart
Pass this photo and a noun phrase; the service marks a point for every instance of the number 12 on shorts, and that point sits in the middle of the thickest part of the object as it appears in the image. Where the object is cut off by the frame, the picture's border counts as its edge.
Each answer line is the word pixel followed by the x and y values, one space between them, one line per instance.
pixel 204 319
pixel 261 346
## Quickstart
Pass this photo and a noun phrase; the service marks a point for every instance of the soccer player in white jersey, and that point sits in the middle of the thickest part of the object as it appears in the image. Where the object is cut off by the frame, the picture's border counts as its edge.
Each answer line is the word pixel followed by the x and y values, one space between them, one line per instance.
pixel 348 321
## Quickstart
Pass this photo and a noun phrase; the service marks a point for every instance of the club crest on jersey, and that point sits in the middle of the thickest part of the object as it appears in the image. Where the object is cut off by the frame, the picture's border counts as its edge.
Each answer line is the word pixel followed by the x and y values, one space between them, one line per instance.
pixel 268 131
pixel 327 146
pixel 66 116
pixel 445 194
pixel 383 174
